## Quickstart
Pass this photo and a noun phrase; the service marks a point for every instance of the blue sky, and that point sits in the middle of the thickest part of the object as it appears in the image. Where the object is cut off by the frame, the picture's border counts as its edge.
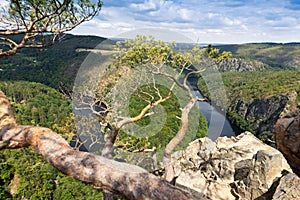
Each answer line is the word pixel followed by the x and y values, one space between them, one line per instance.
pixel 203 21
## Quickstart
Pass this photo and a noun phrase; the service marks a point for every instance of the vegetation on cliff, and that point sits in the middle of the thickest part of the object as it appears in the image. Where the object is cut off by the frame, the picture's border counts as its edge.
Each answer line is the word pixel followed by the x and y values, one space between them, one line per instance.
pixel 248 86
pixel 249 89
pixel 37 104
pixel 276 55
pixel 24 173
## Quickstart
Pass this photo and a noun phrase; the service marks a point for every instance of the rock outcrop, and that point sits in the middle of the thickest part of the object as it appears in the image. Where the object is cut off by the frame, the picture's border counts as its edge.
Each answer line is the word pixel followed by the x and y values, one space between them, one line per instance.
pixel 288 187
pixel 288 139
pixel 240 65
pixel 262 114
pixel 240 167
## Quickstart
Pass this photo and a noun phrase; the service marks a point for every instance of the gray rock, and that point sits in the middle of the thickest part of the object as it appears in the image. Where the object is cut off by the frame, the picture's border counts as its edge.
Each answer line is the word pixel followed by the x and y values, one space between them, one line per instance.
pixel 262 114
pixel 240 65
pixel 288 188
pixel 240 167
pixel 288 139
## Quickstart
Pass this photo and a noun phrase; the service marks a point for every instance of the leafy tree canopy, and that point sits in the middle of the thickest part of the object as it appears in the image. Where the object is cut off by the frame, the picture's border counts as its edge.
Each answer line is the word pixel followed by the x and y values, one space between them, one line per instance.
pixel 38 23
pixel 143 50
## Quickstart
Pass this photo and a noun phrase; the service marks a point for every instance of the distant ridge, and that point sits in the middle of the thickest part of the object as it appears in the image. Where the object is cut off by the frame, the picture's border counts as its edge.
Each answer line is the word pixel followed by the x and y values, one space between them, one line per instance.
pixel 277 55
pixel 57 65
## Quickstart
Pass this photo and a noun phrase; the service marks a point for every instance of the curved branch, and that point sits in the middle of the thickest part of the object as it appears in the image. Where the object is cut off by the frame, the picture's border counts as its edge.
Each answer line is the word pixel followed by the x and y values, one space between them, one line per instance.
pixel 54 19
pixel 109 144
pixel 143 113
pixel 8 42
pixel 169 172
pixel 185 85
pixel 130 181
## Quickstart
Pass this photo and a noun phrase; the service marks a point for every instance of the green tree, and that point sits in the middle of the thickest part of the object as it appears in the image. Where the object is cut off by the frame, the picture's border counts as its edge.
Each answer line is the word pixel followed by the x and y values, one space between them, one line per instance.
pixel 155 72
pixel 39 23
pixel 144 50
pixel 215 53
pixel 119 178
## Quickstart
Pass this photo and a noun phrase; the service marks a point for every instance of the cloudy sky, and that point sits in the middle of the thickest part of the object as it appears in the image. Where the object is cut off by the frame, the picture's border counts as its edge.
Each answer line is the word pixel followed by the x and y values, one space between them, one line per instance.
pixel 203 21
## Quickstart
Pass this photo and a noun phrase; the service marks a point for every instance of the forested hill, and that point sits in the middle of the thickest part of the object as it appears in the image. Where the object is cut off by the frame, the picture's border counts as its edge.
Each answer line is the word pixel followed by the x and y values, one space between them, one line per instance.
pixel 57 65
pixel 53 65
pixel 277 55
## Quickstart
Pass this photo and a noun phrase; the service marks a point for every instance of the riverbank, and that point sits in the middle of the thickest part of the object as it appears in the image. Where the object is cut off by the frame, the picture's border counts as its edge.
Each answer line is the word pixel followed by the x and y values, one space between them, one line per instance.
pixel 256 100
pixel 218 124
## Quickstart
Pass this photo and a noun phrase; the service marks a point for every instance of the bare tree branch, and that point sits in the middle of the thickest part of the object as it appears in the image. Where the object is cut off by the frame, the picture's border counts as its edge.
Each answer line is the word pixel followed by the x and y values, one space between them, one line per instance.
pixel 169 171
pixel 119 178
pixel 143 113
pixel 108 148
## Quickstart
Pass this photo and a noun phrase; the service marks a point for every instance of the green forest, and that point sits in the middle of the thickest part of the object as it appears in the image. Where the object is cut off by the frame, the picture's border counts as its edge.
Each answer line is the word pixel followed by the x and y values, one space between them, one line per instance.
pixel 55 66
pixel 250 86
pixel 23 173
pixel 277 55
pixel 87 117
pixel 38 83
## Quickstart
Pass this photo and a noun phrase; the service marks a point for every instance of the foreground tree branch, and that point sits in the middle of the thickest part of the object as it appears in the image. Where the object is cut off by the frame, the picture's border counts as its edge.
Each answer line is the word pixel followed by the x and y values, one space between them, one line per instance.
pixel 170 148
pixel 36 24
pixel 119 178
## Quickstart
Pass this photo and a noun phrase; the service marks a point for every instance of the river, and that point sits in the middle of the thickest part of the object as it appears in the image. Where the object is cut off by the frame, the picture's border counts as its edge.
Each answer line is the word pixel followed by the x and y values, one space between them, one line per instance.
pixel 218 124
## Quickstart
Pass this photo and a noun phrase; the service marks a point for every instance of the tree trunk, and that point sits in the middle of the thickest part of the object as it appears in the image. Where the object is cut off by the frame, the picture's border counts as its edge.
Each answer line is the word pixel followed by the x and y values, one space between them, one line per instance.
pixel 169 171
pixel 130 181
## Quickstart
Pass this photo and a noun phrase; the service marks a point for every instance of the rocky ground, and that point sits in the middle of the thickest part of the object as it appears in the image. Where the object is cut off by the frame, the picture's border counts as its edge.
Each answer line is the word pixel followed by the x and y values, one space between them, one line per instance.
pixel 240 167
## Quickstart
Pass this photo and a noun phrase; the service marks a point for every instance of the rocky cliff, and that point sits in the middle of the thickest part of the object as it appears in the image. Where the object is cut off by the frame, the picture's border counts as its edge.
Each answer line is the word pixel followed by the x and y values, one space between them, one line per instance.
pixel 261 114
pixel 241 167
pixel 240 65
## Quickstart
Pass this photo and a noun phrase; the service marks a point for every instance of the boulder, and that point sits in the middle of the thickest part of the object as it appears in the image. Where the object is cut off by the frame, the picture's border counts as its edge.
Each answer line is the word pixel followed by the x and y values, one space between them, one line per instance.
pixel 240 167
pixel 287 138
pixel 288 187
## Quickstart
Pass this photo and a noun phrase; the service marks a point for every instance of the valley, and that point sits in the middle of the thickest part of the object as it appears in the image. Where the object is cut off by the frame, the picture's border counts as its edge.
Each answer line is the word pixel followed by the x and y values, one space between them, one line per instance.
pixel 261 81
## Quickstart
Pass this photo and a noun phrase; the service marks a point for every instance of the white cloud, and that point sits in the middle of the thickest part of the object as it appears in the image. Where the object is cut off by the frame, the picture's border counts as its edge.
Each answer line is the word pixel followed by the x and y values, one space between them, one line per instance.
pixel 283 22
pixel 244 27
pixel 147 5
pixel 212 15
pixel 231 22
pixel 227 21
pixel 185 14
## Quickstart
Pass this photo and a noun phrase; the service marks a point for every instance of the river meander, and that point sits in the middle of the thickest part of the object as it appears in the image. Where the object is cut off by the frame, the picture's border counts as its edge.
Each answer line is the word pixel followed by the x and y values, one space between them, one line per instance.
pixel 218 124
